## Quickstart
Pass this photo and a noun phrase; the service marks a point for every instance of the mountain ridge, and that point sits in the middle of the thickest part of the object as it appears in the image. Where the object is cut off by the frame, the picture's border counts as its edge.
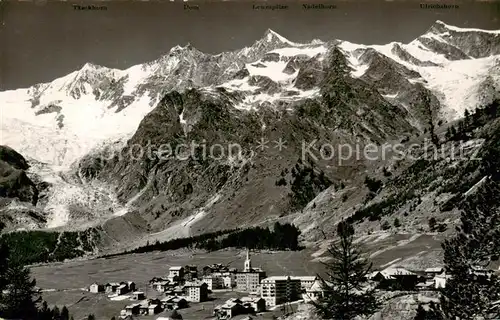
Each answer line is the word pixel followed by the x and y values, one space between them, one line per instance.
pixel 331 91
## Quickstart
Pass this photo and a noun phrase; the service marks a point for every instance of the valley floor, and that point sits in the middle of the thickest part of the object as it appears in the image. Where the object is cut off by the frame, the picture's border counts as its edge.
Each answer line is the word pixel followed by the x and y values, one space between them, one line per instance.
pixel 64 283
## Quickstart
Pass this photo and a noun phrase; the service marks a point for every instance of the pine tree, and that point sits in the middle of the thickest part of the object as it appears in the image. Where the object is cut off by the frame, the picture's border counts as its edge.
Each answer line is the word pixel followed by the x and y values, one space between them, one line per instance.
pixel 21 298
pixel 56 313
pixel 44 313
pixel 453 132
pixel 428 108
pixel 91 317
pixel 397 223
pixel 64 313
pixel 421 313
pixel 346 292
pixel 467 116
pixel 468 295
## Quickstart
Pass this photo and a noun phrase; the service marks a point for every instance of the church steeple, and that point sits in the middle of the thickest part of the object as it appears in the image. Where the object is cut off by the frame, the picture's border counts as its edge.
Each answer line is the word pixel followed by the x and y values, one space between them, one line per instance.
pixel 248 262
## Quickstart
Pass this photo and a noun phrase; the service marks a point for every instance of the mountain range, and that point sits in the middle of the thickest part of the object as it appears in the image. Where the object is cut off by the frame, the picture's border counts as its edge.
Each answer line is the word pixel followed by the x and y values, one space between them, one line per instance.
pixel 67 161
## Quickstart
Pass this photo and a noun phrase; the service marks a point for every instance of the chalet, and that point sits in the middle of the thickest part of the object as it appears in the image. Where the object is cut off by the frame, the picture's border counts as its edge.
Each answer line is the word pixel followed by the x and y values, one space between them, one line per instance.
pixel 216 267
pixel 177 290
pixel 391 273
pixel 130 285
pixel 395 278
pixel 154 309
pixel 122 289
pixel 234 307
pixel 257 304
pixel 171 303
pixel 196 291
pixel 315 292
pixel 174 302
pixel 111 287
pixel 96 288
pixel 138 295
pixel 176 272
pixel 158 279
pixel 190 272
pixel 148 308
pixel 161 286
pixel 430 273
pixel 132 309
pixel 228 310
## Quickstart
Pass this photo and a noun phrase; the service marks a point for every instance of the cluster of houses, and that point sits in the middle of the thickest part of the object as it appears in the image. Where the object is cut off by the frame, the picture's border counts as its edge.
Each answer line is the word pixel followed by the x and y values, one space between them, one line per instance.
pixel 113 289
pixel 184 285
pixel 235 306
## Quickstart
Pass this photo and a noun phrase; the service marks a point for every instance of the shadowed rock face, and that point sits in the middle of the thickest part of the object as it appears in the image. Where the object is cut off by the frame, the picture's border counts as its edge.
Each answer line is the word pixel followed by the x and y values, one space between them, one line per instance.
pixel 310 73
pixel 463 43
pixel 167 189
pixel 14 183
pixel 406 56
pixel 448 50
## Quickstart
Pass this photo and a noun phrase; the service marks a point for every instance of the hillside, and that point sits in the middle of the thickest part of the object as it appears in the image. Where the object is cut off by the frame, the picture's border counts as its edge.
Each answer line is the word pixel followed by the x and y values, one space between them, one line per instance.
pixel 192 142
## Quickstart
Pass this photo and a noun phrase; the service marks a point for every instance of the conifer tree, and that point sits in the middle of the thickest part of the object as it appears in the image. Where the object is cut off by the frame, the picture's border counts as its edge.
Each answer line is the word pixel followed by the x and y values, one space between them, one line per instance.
pixel 469 295
pixel 64 313
pixel 346 293
pixel 20 299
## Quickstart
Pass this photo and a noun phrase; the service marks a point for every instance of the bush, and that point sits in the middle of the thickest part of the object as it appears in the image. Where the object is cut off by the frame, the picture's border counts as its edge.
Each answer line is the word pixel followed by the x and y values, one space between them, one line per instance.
pixel 385 225
pixel 397 223
pixel 373 185
pixel 281 182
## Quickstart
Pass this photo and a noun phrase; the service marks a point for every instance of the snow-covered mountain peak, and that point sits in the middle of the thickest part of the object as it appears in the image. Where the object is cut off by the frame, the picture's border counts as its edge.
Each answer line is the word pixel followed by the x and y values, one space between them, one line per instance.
pixel 179 48
pixel 272 36
pixel 443 27
pixel 89 66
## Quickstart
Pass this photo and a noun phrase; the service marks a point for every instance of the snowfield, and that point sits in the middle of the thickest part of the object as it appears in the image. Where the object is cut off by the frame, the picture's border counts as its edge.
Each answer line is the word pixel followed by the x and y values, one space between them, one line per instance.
pixel 57 123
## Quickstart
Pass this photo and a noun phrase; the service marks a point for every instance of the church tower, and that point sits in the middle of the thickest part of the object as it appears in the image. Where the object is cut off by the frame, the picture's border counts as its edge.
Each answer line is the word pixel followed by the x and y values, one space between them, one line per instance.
pixel 248 263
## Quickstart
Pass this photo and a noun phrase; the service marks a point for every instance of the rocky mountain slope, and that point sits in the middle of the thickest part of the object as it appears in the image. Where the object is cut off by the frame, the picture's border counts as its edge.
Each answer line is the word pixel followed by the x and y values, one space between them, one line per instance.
pixel 193 142
pixel 17 188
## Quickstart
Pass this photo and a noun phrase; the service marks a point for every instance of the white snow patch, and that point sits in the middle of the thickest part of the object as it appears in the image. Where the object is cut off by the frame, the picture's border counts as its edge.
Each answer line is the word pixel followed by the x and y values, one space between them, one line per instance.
pixel 271 34
pixel 359 68
pixel 390 96
pixel 270 69
pixel 119 298
pixel 477 185
pixel 239 84
pixel 306 50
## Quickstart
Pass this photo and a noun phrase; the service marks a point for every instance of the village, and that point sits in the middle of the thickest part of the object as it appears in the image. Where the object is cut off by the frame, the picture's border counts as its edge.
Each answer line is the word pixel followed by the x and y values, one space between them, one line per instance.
pixel 168 296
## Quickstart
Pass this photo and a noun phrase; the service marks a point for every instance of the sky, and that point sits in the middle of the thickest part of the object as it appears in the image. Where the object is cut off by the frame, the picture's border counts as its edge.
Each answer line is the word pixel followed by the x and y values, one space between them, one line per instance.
pixel 43 41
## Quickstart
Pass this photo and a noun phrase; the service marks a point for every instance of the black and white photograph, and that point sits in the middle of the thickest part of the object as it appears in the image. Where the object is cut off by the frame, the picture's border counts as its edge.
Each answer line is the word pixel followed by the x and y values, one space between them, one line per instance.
pixel 292 160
